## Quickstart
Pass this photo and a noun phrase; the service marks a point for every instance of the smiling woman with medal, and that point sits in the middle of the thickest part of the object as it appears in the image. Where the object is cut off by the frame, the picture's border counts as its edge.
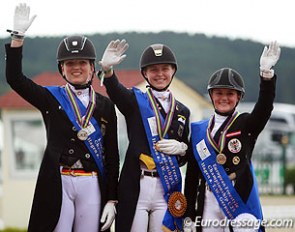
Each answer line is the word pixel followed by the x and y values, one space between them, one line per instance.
pixel 77 183
pixel 220 183
pixel 150 197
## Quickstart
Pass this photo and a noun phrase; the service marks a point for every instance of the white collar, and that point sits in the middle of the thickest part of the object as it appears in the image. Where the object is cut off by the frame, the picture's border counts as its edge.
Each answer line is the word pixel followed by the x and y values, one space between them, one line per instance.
pixel 219 119
pixel 80 92
pixel 163 95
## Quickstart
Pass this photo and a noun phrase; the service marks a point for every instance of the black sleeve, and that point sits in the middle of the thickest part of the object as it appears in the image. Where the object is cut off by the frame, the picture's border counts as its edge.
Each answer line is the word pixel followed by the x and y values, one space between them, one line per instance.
pixel 111 155
pixel 191 184
pixel 124 98
pixel 182 160
pixel 263 107
pixel 25 87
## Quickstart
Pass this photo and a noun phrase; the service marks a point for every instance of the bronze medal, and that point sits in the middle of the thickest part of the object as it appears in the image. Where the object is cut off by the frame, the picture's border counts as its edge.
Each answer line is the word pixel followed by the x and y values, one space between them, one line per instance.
pixel 236 160
pixel 177 204
pixel 82 134
pixel 221 158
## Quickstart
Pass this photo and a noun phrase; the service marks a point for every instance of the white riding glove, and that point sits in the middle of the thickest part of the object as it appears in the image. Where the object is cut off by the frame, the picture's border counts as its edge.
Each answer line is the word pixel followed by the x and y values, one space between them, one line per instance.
pixel 113 54
pixel 189 229
pixel 268 59
pixel 248 221
pixel 22 20
pixel 108 215
pixel 171 147
pixel 189 225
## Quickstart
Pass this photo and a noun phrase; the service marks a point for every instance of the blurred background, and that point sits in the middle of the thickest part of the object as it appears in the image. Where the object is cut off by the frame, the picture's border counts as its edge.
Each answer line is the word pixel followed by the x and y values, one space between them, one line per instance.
pixel 205 36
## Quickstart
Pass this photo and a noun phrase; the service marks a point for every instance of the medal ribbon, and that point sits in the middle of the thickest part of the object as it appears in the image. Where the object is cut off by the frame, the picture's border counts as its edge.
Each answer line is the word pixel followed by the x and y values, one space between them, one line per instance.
pixel 162 129
pixel 228 198
pixel 167 165
pixel 94 141
pixel 219 147
pixel 83 121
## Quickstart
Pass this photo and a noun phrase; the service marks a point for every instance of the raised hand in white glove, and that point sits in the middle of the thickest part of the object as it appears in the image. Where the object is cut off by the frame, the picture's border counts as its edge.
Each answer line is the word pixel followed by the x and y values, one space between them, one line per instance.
pixel 171 147
pixel 114 54
pixel 22 20
pixel 269 58
pixel 108 215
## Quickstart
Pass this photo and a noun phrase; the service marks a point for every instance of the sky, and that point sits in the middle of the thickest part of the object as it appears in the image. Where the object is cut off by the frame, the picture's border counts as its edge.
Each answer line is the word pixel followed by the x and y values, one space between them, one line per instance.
pixel 257 20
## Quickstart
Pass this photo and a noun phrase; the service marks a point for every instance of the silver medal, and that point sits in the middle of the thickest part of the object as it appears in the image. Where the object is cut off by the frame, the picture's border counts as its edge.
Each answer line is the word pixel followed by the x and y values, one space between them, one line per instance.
pixel 82 134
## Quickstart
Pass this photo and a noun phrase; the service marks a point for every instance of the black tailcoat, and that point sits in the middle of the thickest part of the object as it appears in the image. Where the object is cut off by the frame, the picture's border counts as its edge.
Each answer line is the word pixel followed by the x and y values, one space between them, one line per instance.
pixel 248 126
pixel 129 183
pixel 61 138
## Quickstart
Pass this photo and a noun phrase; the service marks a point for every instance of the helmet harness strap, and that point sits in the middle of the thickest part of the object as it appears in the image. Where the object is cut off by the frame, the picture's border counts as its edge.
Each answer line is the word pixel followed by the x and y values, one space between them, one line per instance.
pixel 83 86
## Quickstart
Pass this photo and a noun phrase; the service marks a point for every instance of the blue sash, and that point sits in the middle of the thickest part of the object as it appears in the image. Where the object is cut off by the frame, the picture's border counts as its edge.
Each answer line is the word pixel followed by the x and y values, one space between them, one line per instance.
pixel 220 184
pixel 167 165
pixel 94 142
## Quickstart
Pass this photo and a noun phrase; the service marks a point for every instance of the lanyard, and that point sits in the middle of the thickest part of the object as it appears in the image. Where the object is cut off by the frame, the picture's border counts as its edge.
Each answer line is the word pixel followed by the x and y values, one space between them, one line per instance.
pixel 167 165
pixel 221 141
pixel 83 121
pixel 162 129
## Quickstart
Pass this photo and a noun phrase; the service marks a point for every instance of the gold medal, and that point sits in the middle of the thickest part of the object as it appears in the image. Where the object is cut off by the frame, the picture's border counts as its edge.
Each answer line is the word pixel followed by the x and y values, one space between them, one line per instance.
pixel 221 158
pixel 177 204
pixel 82 134
pixel 236 160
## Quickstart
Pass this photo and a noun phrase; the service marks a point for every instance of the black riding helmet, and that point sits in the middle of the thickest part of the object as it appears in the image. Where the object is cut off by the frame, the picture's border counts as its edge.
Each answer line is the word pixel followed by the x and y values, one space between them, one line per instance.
pixel 76 47
pixel 157 54
pixel 226 78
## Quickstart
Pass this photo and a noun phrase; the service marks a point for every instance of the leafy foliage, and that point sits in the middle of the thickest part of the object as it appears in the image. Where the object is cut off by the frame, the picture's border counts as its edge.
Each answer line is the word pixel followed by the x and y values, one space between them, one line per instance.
pixel 13 230
pixel 290 176
pixel 198 57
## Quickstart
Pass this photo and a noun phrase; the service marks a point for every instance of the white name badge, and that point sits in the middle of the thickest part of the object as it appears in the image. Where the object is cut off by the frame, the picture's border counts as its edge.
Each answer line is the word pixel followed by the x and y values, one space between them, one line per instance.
pixel 153 125
pixel 202 149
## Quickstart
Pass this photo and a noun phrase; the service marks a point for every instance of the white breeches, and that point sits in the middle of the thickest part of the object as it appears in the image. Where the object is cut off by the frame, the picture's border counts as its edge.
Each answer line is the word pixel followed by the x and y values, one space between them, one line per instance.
pixel 81 202
pixel 151 206
pixel 213 214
